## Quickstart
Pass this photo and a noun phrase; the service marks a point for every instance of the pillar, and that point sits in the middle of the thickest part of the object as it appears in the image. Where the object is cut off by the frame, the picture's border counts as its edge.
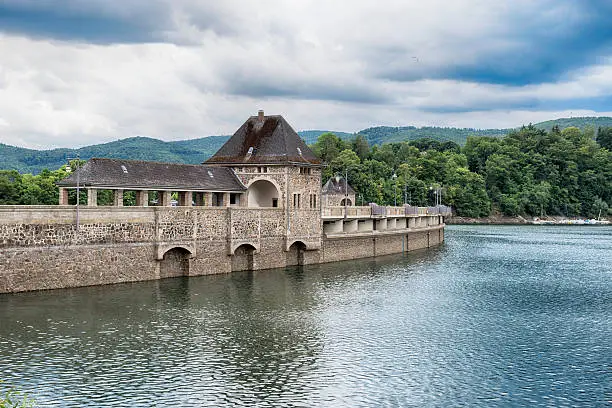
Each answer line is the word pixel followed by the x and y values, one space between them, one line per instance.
pixel 118 202
pixel 199 199
pixel 164 198
pixel 184 198
pixel 63 196
pixel 226 199
pixel 92 197
pixel 209 199
pixel 142 198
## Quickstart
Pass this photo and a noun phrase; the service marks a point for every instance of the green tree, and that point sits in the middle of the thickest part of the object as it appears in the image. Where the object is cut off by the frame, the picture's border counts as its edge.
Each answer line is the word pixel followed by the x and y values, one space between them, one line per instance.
pixel 10 187
pixel 328 146
pixel 604 137
pixel 599 208
pixel 361 146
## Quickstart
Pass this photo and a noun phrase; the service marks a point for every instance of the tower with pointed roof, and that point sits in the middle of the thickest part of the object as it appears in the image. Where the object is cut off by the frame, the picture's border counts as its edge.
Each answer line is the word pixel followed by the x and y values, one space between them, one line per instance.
pixel 278 169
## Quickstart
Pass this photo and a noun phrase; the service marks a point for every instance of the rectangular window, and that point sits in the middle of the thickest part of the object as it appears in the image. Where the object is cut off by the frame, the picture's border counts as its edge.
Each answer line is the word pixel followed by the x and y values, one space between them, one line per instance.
pixel 265 169
pixel 233 197
pixel 313 201
pixel 297 200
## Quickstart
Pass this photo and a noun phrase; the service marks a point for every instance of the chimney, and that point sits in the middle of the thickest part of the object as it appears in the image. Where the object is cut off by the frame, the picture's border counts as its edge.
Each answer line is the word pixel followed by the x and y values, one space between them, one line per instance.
pixel 260 115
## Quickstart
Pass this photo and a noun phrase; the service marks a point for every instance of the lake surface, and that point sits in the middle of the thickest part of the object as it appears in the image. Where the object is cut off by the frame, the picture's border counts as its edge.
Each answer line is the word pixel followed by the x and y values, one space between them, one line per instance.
pixel 497 316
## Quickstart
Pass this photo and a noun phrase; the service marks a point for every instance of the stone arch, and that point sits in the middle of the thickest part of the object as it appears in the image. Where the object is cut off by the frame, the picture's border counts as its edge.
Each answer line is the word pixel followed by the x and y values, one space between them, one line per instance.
pixel 242 258
pixel 263 192
pixel 174 262
pixel 295 253
pixel 238 244
pixel 347 200
pixel 163 248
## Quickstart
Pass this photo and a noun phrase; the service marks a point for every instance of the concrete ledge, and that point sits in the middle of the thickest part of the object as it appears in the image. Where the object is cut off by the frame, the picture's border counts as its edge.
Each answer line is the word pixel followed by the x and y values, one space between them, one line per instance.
pixel 375 234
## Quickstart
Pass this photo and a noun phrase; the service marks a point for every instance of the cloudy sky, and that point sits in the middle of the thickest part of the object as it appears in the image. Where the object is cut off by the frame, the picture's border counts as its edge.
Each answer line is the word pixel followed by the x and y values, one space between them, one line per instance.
pixel 78 72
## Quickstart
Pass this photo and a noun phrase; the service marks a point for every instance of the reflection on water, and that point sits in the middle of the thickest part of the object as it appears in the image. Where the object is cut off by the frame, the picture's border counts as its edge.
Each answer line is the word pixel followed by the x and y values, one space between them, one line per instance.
pixel 497 316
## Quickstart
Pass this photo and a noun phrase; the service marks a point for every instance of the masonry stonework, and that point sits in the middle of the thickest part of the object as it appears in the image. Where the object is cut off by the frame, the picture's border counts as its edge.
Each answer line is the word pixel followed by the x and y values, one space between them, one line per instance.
pixel 41 248
pixel 258 205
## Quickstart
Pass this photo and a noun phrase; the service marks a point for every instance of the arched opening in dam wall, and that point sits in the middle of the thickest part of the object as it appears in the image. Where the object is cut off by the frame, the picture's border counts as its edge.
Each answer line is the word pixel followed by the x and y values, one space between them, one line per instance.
pixel 295 255
pixel 174 263
pixel 242 258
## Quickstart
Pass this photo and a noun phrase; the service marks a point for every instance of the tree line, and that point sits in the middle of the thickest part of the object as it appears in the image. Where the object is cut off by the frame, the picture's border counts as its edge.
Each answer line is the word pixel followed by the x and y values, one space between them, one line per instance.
pixel 529 172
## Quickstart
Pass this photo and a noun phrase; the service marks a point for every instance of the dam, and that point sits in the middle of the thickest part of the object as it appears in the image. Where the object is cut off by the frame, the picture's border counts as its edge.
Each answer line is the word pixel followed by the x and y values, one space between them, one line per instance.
pixel 256 204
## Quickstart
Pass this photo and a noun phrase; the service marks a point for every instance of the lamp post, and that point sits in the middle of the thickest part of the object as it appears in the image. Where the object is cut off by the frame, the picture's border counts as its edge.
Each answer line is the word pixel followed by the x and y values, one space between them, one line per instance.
pixel 437 191
pixel 345 191
pixel 394 177
pixel 431 189
pixel 78 186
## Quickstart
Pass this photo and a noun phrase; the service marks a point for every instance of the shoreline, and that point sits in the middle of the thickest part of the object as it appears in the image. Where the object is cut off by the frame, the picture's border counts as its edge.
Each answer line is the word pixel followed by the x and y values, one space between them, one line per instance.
pixel 490 220
pixel 518 220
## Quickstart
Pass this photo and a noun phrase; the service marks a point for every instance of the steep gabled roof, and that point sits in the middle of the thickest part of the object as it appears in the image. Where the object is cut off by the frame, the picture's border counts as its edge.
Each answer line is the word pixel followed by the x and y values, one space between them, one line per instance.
pixel 134 174
pixel 337 186
pixel 265 140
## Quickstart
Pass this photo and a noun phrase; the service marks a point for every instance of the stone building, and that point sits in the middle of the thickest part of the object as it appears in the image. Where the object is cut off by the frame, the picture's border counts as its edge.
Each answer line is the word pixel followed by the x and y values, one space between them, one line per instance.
pixel 337 192
pixel 280 171
pixel 256 204
pixel 193 184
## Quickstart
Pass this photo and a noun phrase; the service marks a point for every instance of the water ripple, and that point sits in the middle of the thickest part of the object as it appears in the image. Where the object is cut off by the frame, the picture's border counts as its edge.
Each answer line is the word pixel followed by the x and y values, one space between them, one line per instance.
pixel 497 316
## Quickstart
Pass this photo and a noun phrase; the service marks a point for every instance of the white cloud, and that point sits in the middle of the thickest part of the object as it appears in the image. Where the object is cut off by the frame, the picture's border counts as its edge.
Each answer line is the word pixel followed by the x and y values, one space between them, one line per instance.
pixel 323 65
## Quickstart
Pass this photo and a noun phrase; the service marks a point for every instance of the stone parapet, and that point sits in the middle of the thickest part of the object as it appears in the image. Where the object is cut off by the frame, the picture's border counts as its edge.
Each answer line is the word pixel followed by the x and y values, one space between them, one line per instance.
pixel 41 248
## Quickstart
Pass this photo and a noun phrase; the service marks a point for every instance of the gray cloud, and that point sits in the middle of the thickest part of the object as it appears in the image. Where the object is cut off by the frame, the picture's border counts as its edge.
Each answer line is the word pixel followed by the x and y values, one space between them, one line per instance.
pixel 189 69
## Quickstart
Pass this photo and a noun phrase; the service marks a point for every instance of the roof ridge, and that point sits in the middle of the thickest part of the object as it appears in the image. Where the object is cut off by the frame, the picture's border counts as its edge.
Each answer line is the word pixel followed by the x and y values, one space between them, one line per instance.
pixel 148 161
pixel 276 142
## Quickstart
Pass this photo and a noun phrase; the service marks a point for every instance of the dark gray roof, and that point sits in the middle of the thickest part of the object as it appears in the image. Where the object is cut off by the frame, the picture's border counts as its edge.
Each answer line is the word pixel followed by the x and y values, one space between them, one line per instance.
pixel 267 141
pixel 142 174
pixel 334 186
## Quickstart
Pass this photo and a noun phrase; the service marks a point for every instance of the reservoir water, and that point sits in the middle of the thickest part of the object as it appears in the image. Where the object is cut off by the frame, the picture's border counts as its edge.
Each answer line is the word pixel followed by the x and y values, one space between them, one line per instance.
pixel 497 316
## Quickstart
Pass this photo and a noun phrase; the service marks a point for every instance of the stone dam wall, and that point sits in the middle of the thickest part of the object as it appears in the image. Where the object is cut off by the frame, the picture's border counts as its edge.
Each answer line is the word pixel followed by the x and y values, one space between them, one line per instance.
pixel 41 247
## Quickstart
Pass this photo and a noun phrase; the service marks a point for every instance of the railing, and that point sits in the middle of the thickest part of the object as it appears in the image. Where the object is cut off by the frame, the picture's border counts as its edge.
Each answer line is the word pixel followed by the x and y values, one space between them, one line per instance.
pixel 350 211
pixel 439 210
pixel 375 210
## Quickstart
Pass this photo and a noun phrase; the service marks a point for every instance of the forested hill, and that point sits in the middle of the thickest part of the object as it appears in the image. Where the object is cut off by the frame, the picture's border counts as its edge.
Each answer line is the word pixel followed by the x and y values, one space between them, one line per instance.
pixel 384 134
pixel 197 150
pixel 580 123
pixel 136 148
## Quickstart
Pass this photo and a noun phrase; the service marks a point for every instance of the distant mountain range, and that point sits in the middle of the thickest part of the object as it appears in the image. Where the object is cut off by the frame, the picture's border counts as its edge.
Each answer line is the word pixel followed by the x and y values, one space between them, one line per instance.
pixel 197 150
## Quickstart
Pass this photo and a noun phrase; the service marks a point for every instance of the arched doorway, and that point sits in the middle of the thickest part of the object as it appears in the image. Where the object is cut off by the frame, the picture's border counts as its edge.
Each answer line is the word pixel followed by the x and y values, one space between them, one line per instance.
pixel 262 193
pixel 346 201
pixel 295 255
pixel 175 263
pixel 242 259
